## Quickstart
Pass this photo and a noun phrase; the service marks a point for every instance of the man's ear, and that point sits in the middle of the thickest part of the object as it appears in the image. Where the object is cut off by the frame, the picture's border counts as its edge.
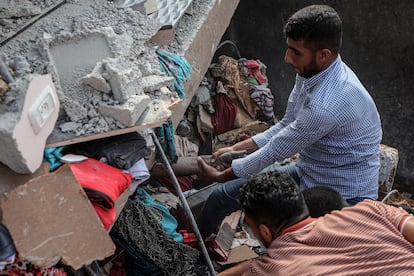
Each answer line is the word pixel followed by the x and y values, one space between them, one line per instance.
pixel 324 56
pixel 266 234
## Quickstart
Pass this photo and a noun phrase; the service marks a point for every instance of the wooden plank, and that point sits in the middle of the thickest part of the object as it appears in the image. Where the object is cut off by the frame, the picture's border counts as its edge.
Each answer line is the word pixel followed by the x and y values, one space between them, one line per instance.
pixel 201 51
pixel 75 140
pixel 69 138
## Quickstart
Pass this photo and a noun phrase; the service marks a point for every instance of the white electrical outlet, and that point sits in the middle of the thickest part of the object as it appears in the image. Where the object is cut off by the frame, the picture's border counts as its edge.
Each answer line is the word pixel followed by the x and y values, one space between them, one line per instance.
pixel 42 109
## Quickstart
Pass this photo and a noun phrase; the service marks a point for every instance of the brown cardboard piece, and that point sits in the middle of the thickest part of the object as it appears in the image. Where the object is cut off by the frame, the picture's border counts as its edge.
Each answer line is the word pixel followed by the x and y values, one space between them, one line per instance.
pixel 50 218
pixel 9 179
pixel 164 36
pixel 239 254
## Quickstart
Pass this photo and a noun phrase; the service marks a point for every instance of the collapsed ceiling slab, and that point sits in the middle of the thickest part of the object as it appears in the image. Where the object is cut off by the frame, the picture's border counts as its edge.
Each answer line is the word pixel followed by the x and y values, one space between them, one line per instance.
pixel 103 62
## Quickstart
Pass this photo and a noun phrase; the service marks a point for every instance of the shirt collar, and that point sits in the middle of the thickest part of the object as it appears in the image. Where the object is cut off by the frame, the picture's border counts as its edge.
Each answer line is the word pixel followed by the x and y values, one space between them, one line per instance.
pixel 312 81
pixel 298 225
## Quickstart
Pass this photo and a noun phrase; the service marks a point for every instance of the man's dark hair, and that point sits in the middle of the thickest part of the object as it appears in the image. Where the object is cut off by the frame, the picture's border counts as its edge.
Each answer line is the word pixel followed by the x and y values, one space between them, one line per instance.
pixel 273 199
pixel 322 200
pixel 318 25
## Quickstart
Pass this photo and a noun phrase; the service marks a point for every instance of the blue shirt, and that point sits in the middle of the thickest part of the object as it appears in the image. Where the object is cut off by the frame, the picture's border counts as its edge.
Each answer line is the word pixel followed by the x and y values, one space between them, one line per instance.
pixel 333 123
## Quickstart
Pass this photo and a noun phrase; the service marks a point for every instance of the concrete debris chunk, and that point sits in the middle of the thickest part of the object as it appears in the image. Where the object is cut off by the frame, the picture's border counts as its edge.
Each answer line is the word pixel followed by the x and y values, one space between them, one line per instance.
pixel 96 80
pixel 3 89
pixel 17 8
pixel 23 134
pixel 153 82
pixel 124 80
pixel 129 112
pixel 69 126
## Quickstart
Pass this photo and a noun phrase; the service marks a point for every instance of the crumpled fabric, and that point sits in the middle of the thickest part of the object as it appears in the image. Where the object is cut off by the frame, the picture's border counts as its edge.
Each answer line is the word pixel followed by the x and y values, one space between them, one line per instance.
pixel 263 97
pixel 103 184
pixel 254 69
pixel 165 135
pixel 176 66
pixel 140 229
pixel 203 97
pixel 23 267
pixel 235 83
pixel 226 111
pixel 121 151
pixel 52 156
pixel 168 222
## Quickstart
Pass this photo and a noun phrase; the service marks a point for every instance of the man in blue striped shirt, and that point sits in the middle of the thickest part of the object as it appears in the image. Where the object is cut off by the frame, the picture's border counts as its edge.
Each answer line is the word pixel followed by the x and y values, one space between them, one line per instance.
pixel 330 120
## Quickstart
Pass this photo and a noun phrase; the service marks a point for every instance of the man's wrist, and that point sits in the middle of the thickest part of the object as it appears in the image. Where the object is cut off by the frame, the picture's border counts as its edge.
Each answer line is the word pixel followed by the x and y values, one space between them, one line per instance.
pixel 226 175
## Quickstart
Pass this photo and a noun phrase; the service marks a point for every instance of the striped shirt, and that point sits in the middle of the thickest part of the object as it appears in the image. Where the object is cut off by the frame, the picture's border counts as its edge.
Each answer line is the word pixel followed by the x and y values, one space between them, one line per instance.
pixel 333 123
pixel 361 240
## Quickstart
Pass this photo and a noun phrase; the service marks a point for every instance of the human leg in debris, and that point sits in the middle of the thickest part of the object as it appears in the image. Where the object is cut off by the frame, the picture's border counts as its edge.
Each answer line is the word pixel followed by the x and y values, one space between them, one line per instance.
pixel 223 200
pixel 185 166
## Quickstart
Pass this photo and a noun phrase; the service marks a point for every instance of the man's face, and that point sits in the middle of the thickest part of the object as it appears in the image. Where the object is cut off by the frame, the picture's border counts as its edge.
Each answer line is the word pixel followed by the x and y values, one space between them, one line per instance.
pixel 257 231
pixel 302 59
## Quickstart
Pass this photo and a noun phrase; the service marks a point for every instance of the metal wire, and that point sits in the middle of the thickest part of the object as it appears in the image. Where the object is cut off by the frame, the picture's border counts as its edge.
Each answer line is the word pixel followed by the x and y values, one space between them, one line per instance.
pixel 185 205
pixel 384 200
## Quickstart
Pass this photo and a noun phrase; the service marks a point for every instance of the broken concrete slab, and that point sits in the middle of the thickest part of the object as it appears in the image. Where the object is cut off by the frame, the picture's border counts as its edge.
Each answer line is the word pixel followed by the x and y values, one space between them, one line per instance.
pixel 26 126
pixel 50 218
pixel 96 80
pixel 70 41
pixel 18 8
pixel 153 83
pixel 129 112
pixel 123 79
pixel 74 55
pixel 78 24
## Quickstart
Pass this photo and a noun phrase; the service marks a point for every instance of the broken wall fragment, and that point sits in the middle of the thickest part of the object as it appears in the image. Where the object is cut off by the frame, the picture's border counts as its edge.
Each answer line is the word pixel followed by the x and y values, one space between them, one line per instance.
pixel 27 123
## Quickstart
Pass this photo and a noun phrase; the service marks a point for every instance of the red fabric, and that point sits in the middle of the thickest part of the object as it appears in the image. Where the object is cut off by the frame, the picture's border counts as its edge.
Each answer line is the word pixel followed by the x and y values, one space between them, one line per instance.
pixel 185 183
pixel 99 176
pixel 103 185
pixel 107 216
pixel 22 267
pixel 226 111
pixel 254 70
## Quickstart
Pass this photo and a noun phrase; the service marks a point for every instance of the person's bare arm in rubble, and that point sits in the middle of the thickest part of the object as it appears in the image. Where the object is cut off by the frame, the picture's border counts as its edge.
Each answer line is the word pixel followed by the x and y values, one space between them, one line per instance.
pixel 219 173
pixel 247 145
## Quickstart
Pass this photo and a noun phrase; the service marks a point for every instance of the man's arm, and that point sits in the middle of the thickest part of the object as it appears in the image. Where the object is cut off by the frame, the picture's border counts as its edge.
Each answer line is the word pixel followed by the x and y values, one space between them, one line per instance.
pixel 408 230
pixel 236 270
pixel 247 145
pixel 208 172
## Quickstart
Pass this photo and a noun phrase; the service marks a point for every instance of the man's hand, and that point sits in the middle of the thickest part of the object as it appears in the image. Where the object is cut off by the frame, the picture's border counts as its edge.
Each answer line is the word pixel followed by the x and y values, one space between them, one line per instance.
pixel 220 151
pixel 224 160
pixel 208 172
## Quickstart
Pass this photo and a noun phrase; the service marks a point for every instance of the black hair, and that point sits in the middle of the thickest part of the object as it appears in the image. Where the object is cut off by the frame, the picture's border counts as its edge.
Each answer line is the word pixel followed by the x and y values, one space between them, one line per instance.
pixel 322 200
pixel 318 25
pixel 273 199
